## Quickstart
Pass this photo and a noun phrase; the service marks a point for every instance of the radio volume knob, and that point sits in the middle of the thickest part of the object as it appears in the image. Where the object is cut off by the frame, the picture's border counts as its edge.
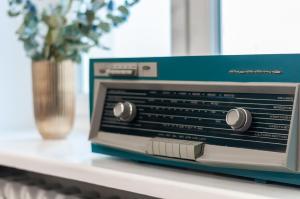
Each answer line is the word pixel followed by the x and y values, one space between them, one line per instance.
pixel 125 111
pixel 239 119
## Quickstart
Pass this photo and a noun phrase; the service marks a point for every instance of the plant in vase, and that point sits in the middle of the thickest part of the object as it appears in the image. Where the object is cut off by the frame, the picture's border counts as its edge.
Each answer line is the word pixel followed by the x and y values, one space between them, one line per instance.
pixel 54 36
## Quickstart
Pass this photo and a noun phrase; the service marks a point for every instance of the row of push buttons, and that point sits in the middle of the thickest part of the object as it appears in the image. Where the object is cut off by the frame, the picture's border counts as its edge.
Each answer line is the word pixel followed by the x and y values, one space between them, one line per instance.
pixel 182 149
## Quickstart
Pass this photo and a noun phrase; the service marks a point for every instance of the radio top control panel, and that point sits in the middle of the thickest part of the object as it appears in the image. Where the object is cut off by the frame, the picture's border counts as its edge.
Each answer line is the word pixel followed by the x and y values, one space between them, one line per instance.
pixel 127 69
pixel 236 124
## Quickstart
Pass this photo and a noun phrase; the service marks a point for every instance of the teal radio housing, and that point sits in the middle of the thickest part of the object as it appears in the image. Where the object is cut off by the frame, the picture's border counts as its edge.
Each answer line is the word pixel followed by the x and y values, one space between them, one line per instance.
pixel 227 114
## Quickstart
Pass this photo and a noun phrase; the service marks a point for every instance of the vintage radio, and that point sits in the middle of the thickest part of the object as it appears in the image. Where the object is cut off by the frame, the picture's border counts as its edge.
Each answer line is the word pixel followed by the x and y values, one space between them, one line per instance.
pixel 234 115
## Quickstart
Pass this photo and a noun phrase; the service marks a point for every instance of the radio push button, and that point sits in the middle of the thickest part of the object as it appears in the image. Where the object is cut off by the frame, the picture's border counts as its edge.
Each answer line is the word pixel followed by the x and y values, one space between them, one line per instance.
pixel 155 146
pixel 169 149
pixel 175 150
pixel 124 111
pixel 239 119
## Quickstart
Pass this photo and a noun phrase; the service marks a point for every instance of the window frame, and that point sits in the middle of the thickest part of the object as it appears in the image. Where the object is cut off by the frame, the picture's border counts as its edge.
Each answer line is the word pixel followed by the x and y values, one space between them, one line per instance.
pixel 196 27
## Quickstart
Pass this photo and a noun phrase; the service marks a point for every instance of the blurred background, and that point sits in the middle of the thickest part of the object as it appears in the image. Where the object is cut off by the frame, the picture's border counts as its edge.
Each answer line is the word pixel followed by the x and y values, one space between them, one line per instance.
pixel 154 28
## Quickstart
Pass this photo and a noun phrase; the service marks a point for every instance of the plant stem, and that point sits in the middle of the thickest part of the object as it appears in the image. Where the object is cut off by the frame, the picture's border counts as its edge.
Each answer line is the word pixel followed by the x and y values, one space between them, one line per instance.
pixel 70 2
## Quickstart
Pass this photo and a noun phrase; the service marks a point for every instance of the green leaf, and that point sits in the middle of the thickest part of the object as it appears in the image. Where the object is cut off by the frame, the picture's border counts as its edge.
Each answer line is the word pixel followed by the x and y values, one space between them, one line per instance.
pixel 30 47
pixel 131 3
pixel 96 5
pixel 15 8
pixel 28 28
pixel 78 46
pixel 12 13
pixel 104 26
pixel 76 57
pixel 94 36
pixel 90 15
pixel 123 10
pixel 72 32
pixel 116 20
pixel 84 29
pixel 21 29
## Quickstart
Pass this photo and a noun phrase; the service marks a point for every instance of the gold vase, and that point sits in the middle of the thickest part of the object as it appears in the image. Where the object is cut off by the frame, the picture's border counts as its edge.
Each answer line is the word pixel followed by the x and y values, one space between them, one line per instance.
pixel 54 97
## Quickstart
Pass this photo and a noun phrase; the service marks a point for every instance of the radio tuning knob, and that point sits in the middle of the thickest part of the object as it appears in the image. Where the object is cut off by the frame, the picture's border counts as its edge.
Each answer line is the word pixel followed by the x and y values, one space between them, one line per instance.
pixel 239 119
pixel 124 111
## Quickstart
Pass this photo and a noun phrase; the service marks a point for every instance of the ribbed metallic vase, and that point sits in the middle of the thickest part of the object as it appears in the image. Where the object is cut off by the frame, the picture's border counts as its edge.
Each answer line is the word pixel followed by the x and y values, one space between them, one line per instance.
pixel 54 97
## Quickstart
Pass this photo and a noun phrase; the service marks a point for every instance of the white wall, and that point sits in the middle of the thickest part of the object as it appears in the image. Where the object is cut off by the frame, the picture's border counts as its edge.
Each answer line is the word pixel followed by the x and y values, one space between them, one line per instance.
pixel 15 77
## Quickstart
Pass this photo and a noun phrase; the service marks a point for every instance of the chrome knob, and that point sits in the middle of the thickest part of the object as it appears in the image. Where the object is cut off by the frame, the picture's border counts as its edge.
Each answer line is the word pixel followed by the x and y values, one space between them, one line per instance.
pixel 239 119
pixel 124 111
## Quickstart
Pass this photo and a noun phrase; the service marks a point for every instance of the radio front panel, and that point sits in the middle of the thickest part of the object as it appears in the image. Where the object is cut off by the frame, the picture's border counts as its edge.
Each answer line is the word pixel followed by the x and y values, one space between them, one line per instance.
pixel 230 114
pixel 205 115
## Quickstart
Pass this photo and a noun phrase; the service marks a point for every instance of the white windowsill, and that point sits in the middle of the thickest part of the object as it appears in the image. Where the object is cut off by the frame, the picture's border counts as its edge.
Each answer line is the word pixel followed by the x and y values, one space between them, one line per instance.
pixel 72 159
